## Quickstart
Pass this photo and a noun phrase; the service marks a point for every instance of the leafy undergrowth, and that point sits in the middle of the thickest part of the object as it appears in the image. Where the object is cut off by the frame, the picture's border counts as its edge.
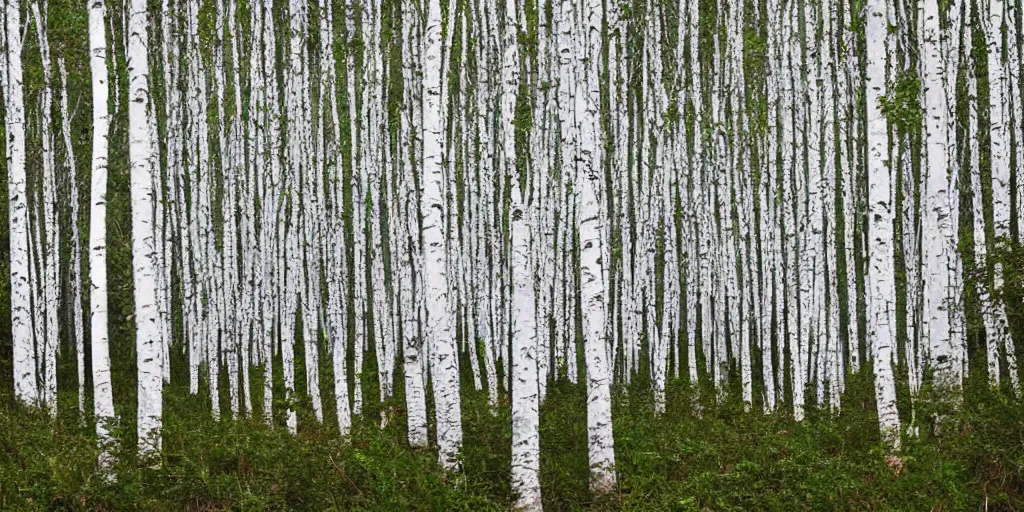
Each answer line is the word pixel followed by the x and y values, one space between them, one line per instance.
pixel 724 460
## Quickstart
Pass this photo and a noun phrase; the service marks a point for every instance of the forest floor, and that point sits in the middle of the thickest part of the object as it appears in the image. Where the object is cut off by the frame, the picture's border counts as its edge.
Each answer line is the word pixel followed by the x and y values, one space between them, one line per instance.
pixel 724 460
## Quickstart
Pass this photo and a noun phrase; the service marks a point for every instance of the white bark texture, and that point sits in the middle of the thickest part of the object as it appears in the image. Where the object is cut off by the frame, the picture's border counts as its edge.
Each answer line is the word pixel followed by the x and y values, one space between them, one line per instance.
pixel 26 387
pixel 593 287
pixel 103 397
pixel 439 330
pixel 881 285
pixel 144 263
pixel 525 389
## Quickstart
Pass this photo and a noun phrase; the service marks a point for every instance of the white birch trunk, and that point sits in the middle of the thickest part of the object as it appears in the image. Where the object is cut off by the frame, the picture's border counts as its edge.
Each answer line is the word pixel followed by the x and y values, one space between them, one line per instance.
pixel 144 265
pixel 848 132
pixel 359 186
pixel 103 397
pixel 769 221
pixel 26 385
pixel 439 329
pixel 1015 61
pixel 829 323
pixel 591 239
pixel 882 288
pixel 46 284
pixel 938 226
pixel 992 16
pixel 695 255
pixel 413 331
pixel 336 319
pixel 789 210
pixel 525 392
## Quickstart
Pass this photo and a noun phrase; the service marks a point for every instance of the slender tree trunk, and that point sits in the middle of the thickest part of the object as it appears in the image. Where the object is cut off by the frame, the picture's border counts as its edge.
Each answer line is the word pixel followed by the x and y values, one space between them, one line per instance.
pixel 75 273
pixel 941 299
pixel 439 329
pixel 103 397
pixel 591 242
pixel 829 335
pixel 144 265
pixel 849 130
pixel 881 289
pixel 1002 115
pixel 336 325
pixel 525 392
pixel 695 257
pixel 359 191
pixel 413 331
pixel 26 387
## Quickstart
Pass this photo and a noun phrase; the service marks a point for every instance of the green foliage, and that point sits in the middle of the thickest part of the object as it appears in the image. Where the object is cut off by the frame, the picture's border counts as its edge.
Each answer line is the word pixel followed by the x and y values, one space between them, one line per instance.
pixel 902 106
pixel 725 460
pixel 220 465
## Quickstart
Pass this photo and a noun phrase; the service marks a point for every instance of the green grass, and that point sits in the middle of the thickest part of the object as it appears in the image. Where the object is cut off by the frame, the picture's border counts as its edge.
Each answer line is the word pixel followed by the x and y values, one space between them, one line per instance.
pixel 725 460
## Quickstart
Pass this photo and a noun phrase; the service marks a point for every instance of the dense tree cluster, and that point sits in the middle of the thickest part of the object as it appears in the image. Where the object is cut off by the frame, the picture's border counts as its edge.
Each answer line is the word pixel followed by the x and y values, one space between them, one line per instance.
pixel 758 197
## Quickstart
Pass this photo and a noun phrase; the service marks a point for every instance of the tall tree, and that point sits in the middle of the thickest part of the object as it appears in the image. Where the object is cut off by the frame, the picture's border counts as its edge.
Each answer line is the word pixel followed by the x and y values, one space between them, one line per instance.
pixel 439 329
pixel 26 386
pixel 411 260
pixel 998 23
pixel 75 271
pixel 882 287
pixel 103 397
pixel 940 204
pixel 46 247
pixel 593 286
pixel 525 389
pixel 144 265
pixel 335 237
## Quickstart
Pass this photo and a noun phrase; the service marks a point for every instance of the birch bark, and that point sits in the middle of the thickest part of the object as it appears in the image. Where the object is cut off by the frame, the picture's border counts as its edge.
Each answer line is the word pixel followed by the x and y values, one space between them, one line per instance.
pixel 881 290
pixel 150 408
pixel 439 328
pixel 103 397
pixel 591 242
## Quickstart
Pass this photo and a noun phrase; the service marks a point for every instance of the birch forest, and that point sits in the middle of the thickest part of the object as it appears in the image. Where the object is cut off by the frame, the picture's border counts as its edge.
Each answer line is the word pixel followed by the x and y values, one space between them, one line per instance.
pixel 512 254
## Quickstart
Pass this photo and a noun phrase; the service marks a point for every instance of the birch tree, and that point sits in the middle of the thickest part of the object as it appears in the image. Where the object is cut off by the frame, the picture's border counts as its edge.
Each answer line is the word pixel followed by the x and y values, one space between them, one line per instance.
pixel 997 19
pixel 335 236
pixel 881 290
pixel 359 185
pixel 25 378
pixel 75 271
pixel 591 242
pixel 144 268
pixel 525 391
pixel 940 203
pixel 439 329
pixel 103 398
pixel 410 266
pixel 47 249
pixel 993 18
